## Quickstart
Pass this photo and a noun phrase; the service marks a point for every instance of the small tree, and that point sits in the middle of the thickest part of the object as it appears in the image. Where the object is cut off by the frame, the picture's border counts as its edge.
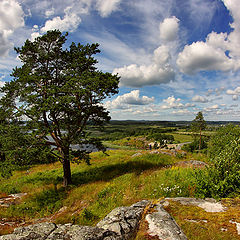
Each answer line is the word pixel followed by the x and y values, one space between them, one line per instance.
pixel 57 91
pixel 198 125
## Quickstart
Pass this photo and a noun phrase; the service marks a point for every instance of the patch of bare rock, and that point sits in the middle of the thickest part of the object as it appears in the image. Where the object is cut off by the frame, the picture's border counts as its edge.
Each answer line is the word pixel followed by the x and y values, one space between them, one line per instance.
pixel 120 224
pixel 11 199
pixel 162 225
pixel 208 204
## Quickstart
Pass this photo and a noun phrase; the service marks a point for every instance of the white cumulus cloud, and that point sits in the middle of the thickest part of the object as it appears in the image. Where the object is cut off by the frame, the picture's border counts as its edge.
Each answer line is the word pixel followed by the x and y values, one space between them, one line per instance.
pixel 160 71
pixel 106 7
pixel 235 93
pixel 49 12
pixel 235 97
pixel 220 51
pixel 182 112
pixel 201 99
pixel 132 98
pixel 11 18
pixel 175 103
pixel 212 108
pixel 69 22
pixel 201 56
pixel 169 29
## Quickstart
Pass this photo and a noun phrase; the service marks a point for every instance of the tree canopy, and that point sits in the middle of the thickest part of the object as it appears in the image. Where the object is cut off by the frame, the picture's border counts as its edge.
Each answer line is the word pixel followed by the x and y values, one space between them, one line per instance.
pixel 57 91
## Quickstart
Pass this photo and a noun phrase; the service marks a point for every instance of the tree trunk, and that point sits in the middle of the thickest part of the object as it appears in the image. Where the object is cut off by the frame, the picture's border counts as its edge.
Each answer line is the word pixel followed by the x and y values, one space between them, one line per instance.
pixel 2 157
pixel 67 177
pixel 200 139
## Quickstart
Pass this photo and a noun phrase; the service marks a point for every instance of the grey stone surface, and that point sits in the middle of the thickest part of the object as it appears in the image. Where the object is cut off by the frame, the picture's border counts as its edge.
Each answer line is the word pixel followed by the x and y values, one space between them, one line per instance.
pixel 154 152
pixel 121 224
pixel 37 231
pixel 50 231
pixel 124 220
pixel 11 199
pixel 208 204
pixel 162 225
pixel 237 226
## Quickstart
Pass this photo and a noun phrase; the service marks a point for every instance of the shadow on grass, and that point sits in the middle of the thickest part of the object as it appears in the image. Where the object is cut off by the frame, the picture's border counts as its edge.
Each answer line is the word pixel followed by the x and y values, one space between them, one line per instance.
pixel 50 200
pixel 106 173
pixel 102 173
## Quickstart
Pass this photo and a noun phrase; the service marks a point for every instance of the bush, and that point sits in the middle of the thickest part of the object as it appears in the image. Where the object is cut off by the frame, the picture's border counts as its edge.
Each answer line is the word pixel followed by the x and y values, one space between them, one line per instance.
pixel 223 136
pixel 222 177
pixel 193 146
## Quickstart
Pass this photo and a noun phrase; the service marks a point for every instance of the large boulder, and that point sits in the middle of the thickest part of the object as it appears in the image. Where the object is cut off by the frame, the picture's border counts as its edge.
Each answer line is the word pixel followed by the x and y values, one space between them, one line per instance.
pixel 124 220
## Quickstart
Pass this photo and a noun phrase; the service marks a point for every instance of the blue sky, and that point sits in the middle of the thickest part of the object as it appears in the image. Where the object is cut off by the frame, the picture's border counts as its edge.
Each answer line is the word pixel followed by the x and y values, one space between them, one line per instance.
pixel 175 57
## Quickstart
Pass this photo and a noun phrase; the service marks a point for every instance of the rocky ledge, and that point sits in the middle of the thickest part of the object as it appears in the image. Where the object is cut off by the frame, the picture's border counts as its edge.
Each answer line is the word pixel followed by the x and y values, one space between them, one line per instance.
pixel 120 224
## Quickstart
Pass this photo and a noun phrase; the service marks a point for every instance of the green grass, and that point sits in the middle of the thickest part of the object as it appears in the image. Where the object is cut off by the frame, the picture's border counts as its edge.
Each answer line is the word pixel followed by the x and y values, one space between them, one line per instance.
pixel 109 144
pixel 182 137
pixel 109 182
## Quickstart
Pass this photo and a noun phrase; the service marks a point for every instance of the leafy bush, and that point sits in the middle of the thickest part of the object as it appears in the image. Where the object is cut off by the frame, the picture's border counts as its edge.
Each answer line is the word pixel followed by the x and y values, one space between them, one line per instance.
pixel 191 147
pixel 223 136
pixel 222 177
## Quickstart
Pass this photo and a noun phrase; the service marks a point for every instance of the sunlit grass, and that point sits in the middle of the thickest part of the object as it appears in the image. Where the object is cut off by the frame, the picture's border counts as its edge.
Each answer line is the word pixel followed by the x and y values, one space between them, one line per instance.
pixel 118 179
pixel 182 137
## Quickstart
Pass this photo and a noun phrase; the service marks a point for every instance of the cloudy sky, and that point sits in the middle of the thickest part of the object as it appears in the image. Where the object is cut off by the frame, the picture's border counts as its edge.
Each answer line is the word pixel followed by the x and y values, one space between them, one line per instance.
pixel 175 57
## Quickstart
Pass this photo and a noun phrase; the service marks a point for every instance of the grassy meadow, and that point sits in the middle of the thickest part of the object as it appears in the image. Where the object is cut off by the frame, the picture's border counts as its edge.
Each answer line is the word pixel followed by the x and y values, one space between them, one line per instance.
pixel 112 180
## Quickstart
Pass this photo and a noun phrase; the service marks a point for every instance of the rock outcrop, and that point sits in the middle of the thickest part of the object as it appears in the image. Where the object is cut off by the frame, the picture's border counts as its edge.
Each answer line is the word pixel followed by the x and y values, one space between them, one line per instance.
pixel 124 220
pixel 123 223
pixel 162 225
pixel 51 231
pixel 191 163
pixel 11 199
pixel 120 224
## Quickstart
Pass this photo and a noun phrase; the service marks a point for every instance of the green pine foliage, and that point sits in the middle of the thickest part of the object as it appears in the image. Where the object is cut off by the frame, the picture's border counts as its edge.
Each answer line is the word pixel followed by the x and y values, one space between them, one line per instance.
pixel 57 91
pixel 197 126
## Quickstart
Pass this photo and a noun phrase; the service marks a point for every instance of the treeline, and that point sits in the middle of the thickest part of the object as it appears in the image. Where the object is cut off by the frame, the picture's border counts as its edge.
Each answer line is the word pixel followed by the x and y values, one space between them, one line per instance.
pixel 161 138
pixel 113 134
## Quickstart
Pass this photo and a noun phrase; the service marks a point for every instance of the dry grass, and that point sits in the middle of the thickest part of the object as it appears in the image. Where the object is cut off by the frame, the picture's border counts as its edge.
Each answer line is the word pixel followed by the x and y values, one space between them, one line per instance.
pixel 200 225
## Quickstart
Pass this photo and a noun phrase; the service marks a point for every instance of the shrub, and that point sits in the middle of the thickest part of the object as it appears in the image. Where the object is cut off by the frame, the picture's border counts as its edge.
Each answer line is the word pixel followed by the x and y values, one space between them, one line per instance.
pixel 223 136
pixel 193 146
pixel 222 177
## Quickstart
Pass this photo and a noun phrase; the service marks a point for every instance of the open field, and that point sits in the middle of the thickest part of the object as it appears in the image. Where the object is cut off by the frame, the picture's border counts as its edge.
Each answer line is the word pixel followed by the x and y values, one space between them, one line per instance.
pixel 182 138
